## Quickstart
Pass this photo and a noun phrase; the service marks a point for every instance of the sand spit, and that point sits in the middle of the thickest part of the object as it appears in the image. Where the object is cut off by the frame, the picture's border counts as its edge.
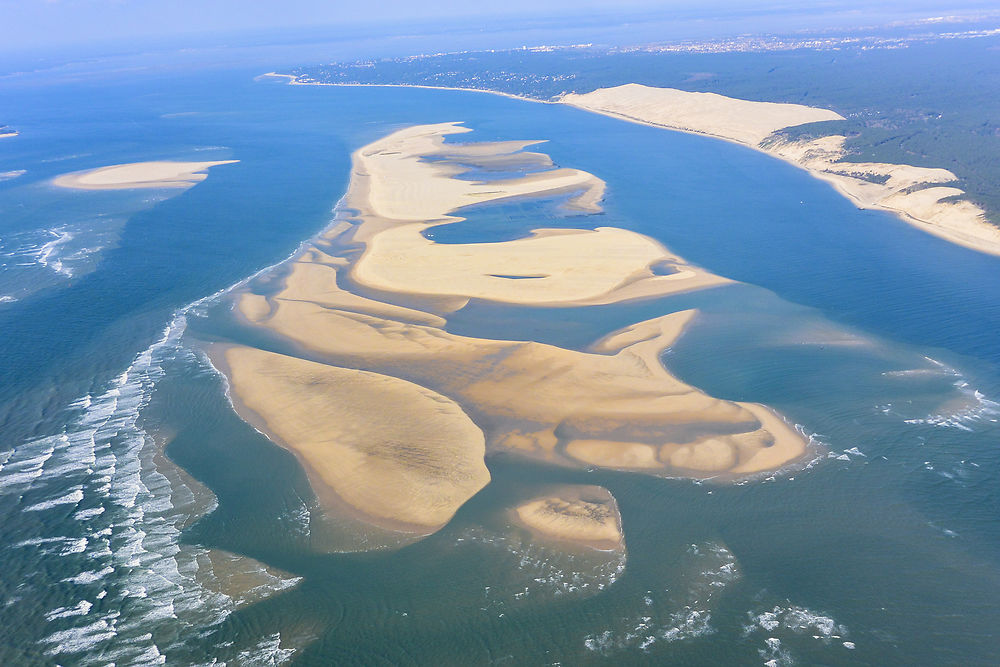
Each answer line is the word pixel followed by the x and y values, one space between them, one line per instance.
pixel 415 462
pixel 582 515
pixel 383 366
pixel 159 174
pixel 913 193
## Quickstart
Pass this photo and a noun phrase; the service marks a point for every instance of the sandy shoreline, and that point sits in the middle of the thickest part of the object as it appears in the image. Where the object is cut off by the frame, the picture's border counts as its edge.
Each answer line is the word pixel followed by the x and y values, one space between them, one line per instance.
pixel 959 222
pixel 381 369
pixel 752 124
pixel 135 175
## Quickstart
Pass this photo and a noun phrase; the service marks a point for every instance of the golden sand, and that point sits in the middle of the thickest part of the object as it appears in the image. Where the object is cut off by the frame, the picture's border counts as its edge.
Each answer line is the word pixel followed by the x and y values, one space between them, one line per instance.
pixel 160 174
pixel 584 515
pixel 613 407
pixel 398 452
pixel 374 415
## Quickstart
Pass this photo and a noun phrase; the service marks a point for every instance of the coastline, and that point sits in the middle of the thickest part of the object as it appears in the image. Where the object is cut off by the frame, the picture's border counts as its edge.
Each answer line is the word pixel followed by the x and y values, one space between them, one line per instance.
pixel 967 228
pixel 293 81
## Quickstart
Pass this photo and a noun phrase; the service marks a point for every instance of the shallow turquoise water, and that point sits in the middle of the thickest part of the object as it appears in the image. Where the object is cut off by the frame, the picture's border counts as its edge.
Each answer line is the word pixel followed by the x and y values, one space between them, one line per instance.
pixel 879 340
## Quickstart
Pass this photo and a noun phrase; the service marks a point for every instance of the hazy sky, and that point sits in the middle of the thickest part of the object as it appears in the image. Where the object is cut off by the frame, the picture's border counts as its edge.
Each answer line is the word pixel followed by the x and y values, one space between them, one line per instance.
pixel 43 23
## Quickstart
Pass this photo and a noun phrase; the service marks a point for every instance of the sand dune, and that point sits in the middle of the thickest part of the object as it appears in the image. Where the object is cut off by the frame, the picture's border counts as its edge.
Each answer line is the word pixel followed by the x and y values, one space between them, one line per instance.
pixel 705 113
pixel 908 191
pixel 161 174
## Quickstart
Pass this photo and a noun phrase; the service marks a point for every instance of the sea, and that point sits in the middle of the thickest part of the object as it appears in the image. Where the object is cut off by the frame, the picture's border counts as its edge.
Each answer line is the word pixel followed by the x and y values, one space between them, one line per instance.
pixel 144 523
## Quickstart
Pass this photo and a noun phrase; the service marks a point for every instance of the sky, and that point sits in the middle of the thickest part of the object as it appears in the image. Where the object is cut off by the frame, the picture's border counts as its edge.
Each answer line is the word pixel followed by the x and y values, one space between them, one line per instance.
pixel 39 24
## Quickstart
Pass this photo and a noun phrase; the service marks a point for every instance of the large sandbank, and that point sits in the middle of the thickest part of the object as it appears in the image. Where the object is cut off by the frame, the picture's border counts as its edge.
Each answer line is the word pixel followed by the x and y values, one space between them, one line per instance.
pixel 369 300
pixel 402 194
pixel 913 193
pixel 157 174
pixel 415 464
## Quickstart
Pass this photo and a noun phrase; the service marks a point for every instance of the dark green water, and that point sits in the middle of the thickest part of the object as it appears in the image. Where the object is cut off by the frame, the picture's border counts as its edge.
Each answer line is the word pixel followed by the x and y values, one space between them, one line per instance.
pixel 879 341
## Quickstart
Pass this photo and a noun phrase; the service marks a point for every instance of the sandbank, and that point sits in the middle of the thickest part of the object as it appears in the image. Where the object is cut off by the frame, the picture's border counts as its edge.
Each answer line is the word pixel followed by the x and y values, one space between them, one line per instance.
pixel 613 406
pixel 157 174
pixel 410 468
pixel 392 414
pixel 583 515
pixel 564 266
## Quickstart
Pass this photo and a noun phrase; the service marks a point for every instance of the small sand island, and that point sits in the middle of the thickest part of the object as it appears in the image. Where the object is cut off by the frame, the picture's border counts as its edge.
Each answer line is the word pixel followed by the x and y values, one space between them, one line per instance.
pixel 7 131
pixel 921 196
pixel 583 515
pixel 392 415
pixel 159 174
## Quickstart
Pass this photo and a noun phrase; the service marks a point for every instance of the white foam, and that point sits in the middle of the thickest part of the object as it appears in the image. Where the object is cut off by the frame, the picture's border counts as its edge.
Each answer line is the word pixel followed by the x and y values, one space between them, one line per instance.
pixel 963 413
pixel 79 639
pixel 71 498
pixel 135 536
pixel 790 620
pixel 542 571
pixel 693 618
pixel 131 542
pixel 89 577
pixel 81 609
pixel 268 651
pixel 12 174
pixel 84 515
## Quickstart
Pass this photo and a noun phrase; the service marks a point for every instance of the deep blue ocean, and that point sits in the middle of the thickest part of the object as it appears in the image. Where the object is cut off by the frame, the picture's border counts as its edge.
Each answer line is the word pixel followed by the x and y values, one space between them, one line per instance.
pixel 144 522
